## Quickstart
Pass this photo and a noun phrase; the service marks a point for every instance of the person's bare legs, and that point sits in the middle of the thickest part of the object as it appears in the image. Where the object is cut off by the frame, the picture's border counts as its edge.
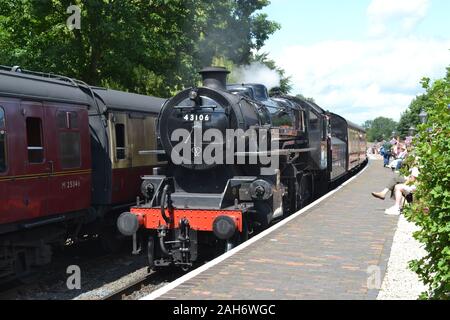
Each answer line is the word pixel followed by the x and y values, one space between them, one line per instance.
pixel 398 191
pixel 381 195
pixel 397 179
pixel 399 195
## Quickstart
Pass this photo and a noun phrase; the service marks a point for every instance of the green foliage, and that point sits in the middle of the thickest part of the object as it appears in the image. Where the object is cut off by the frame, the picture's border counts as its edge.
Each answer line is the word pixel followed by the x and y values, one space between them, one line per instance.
pixel 300 96
pixel 431 210
pixel 368 124
pixel 231 29
pixel 380 129
pixel 150 47
pixel 410 118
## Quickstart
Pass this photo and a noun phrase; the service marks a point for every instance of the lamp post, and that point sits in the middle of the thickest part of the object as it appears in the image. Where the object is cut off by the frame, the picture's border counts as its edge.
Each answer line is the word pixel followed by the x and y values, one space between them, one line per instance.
pixel 394 135
pixel 423 116
pixel 411 131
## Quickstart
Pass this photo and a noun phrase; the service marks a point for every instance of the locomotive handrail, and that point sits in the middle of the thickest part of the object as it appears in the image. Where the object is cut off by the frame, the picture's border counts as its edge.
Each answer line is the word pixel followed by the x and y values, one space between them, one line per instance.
pixel 40 74
pixel 195 107
pixel 281 152
pixel 151 152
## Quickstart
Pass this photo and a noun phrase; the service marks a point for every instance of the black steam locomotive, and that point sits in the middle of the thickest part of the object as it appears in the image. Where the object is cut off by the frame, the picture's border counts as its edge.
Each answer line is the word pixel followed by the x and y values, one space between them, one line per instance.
pixel 238 161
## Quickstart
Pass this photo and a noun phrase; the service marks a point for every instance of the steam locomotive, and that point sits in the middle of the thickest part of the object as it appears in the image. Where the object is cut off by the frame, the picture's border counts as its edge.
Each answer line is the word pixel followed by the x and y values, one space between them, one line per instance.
pixel 69 163
pixel 238 161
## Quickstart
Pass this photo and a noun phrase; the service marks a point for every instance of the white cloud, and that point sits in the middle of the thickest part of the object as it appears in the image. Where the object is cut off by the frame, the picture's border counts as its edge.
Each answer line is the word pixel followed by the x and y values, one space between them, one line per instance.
pixel 365 79
pixel 377 76
pixel 395 16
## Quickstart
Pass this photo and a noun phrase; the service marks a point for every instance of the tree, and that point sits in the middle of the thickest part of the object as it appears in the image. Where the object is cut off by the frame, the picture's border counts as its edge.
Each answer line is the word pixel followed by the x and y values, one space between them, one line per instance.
pixel 230 29
pixel 132 45
pixel 368 124
pixel 150 47
pixel 302 97
pixel 431 208
pixel 380 129
pixel 410 118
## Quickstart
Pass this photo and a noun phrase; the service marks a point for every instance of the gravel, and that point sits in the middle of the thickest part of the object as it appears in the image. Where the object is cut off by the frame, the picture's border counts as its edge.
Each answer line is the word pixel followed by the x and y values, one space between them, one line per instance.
pixel 400 283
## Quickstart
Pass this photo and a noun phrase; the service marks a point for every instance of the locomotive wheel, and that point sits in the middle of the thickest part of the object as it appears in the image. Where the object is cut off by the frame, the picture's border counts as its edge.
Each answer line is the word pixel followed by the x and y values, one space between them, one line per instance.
pixel 151 253
pixel 304 192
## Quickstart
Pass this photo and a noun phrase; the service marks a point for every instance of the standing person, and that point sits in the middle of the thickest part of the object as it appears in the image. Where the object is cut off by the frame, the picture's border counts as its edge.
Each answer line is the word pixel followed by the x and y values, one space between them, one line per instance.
pixel 387 153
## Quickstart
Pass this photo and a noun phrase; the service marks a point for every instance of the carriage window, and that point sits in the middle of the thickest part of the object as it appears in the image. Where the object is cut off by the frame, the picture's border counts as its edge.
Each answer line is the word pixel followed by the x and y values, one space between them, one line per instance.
pixel 70 150
pixel 120 141
pixel 34 140
pixel 2 141
pixel 73 120
pixel 283 118
pixel 2 118
pixel 313 121
pixel 67 120
pixel 299 120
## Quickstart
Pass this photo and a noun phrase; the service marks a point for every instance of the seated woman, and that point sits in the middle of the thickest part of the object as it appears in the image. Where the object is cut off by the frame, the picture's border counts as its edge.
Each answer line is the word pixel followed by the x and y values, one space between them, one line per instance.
pixel 397 163
pixel 400 187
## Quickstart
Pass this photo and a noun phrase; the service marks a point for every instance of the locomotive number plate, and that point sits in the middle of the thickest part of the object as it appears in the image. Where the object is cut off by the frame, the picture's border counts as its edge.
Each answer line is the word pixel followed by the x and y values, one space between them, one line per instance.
pixel 191 117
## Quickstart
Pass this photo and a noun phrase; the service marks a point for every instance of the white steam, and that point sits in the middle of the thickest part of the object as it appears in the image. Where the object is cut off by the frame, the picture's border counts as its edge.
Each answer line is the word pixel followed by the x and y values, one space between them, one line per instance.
pixel 257 73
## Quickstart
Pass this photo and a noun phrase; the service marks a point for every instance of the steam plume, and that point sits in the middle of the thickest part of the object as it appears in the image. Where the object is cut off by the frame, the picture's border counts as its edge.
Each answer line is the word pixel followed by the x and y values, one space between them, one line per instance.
pixel 257 73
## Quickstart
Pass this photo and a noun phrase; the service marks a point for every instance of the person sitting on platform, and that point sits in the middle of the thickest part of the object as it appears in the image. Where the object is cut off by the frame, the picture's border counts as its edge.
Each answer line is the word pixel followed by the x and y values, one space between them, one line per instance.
pixel 400 187
pixel 397 163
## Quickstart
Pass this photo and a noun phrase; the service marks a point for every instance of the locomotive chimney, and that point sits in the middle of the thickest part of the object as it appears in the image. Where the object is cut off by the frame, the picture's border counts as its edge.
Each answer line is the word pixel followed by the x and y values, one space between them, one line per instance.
pixel 215 77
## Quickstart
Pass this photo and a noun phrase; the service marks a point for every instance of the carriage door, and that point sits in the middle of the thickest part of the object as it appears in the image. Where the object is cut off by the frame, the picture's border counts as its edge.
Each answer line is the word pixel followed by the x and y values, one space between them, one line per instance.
pixel 120 158
pixel 33 181
pixel 69 159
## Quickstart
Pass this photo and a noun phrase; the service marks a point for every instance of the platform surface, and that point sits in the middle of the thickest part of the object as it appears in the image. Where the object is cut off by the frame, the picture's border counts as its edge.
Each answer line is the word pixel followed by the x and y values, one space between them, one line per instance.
pixel 331 251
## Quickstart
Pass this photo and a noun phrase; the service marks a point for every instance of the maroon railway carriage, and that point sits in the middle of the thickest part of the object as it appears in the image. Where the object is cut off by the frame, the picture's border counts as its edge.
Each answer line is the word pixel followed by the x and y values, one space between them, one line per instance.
pixel 69 159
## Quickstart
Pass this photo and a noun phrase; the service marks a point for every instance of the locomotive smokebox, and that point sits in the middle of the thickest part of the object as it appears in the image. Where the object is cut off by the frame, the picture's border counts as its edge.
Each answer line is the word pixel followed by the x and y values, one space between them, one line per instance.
pixel 215 78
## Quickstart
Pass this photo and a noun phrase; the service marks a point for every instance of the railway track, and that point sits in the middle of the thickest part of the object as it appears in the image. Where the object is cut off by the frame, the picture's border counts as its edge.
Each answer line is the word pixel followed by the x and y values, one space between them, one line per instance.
pixel 144 285
pixel 129 290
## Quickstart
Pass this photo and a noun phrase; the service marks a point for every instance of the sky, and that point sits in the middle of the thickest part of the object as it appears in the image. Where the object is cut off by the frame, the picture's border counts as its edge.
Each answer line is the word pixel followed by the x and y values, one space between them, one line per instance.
pixel 361 58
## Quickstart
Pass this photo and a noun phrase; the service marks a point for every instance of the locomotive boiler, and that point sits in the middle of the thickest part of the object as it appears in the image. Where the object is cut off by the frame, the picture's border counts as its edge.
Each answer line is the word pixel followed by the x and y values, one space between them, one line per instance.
pixel 236 165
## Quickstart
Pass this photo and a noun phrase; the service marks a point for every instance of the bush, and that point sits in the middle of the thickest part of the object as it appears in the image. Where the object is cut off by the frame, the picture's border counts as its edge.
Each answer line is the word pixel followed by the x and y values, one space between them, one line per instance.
pixel 431 211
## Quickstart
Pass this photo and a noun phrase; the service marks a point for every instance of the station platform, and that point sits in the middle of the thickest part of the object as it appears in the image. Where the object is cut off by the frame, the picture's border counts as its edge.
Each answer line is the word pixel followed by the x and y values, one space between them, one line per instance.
pixel 330 250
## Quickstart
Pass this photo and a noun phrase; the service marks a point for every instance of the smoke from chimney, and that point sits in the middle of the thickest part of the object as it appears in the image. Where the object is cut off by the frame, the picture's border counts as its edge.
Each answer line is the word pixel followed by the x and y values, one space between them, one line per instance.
pixel 257 73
